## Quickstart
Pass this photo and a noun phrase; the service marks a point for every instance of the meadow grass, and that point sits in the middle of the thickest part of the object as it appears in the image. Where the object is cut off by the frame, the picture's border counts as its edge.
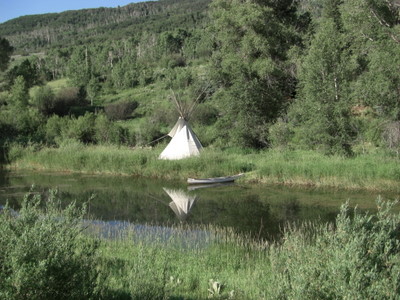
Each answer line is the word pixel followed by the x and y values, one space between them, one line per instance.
pixel 59 84
pixel 193 263
pixel 358 258
pixel 302 168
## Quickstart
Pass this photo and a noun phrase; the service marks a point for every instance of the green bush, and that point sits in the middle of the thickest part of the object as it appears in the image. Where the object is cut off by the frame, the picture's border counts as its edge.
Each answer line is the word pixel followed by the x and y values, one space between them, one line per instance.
pixel 43 100
pixel 107 132
pixel 147 133
pixel 66 98
pixel 81 129
pixel 120 110
pixel 54 127
pixel 357 259
pixel 44 253
pixel 280 134
pixel 205 114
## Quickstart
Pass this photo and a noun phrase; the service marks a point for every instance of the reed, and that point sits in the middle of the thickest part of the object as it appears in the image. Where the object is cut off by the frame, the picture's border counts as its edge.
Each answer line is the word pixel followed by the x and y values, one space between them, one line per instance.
pixel 368 171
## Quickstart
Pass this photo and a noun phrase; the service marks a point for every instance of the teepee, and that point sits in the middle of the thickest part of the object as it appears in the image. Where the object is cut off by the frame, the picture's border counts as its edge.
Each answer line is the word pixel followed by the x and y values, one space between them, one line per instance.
pixel 184 142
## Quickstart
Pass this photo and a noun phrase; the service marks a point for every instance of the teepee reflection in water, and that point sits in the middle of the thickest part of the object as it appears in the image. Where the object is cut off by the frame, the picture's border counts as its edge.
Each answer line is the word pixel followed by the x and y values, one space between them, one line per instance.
pixel 181 202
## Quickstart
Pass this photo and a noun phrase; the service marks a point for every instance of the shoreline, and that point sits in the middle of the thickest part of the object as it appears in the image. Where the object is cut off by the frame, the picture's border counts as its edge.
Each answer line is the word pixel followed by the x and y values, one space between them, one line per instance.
pixel 249 179
pixel 308 169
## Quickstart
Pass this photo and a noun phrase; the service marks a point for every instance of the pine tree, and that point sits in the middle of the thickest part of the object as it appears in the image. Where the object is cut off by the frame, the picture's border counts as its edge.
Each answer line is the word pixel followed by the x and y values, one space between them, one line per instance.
pixel 5 53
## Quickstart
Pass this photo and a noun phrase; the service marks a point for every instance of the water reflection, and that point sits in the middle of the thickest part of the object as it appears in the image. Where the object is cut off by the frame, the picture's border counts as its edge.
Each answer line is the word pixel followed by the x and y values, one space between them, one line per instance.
pixel 181 203
pixel 182 237
pixel 211 185
pixel 259 210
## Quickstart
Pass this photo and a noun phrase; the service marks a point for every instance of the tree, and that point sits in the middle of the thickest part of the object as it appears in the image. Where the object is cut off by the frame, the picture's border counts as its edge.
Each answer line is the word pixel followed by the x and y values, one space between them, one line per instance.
pixel 56 61
pixel 5 53
pixel 28 70
pixel 79 67
pixel 374 27
pixel 93 89
pixel 44 100
pixel 19 93
pixel 320 117
pixel 250 66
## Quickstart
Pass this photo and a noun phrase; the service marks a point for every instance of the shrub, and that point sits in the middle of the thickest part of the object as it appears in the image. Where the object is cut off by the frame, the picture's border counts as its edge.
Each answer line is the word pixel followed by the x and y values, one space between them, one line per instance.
pixel 44 253
pixel 280 134
pixel 54 127
pixel 205 114
pixel 66 98
pixel 120 110
pixel 106 132
pixel 391 136
pixel 359 259
pixel 43 100
pixel 147 133
pixel 81 129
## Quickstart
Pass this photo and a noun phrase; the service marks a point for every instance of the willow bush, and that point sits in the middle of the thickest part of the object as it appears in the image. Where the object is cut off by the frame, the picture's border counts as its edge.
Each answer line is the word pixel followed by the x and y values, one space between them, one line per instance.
pixel 44 253
pixel 358 258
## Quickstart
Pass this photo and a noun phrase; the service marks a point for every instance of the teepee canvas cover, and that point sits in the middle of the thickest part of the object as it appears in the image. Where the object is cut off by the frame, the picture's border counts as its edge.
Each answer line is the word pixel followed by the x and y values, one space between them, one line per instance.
pixel 178 126
pixel 184 142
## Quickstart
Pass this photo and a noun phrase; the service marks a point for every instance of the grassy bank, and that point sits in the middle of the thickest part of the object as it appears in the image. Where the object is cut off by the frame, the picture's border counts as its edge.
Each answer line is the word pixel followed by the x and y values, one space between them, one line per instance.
pixel 46 254
pixel 194 263
pixel 369 171
pixel 311 262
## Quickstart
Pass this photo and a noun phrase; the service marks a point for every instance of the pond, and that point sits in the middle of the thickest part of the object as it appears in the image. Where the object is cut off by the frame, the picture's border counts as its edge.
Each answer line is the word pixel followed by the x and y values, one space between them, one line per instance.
pixel 259 210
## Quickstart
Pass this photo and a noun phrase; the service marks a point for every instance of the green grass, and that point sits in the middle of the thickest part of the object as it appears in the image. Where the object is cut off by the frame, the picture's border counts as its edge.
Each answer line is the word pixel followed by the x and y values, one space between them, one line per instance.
pixel 300 168
pixel 173 269
pixel 59 84
pixel 358 259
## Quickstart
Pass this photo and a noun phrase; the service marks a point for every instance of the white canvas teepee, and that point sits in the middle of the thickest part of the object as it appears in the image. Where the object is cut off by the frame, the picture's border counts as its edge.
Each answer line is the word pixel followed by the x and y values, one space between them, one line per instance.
pixel 184 141
pixel 181 202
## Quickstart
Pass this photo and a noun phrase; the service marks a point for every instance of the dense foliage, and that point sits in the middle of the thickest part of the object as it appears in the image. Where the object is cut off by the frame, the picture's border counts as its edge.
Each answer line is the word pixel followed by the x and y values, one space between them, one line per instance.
pixel 308 74
pixel 358 259
pixel 44 252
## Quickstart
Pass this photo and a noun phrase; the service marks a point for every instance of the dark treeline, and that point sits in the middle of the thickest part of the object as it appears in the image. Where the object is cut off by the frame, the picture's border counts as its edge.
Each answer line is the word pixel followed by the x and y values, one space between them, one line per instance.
pixel 307 74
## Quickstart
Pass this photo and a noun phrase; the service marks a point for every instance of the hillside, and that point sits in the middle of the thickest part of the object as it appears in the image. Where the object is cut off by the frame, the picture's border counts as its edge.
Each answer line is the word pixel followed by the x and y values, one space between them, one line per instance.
pixel 36 32
pixel 300 74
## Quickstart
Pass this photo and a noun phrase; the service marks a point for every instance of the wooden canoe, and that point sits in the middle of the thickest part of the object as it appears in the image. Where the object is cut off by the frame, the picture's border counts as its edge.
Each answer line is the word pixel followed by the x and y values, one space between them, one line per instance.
pixel 214 179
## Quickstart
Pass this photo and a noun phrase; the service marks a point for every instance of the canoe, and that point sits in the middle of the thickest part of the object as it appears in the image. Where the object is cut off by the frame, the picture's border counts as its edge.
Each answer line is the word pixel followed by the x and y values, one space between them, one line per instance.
pixel 214 179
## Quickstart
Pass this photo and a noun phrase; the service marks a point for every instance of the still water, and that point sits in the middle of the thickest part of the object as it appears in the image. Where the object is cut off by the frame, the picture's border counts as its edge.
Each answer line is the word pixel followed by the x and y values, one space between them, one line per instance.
pixel 259 210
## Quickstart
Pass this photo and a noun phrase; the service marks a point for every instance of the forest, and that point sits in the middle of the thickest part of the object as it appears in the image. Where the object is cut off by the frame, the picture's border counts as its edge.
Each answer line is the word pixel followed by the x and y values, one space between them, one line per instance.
pixel 321 75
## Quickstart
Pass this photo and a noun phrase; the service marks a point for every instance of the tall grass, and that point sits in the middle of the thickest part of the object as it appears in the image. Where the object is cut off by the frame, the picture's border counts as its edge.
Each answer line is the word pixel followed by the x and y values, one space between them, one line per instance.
pixel 369 171
pixel 193 263
pixel 358 258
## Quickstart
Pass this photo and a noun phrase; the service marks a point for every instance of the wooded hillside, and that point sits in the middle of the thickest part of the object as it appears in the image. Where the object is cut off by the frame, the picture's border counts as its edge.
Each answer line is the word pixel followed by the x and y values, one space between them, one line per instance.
pixel 35 32
pixel 299 74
